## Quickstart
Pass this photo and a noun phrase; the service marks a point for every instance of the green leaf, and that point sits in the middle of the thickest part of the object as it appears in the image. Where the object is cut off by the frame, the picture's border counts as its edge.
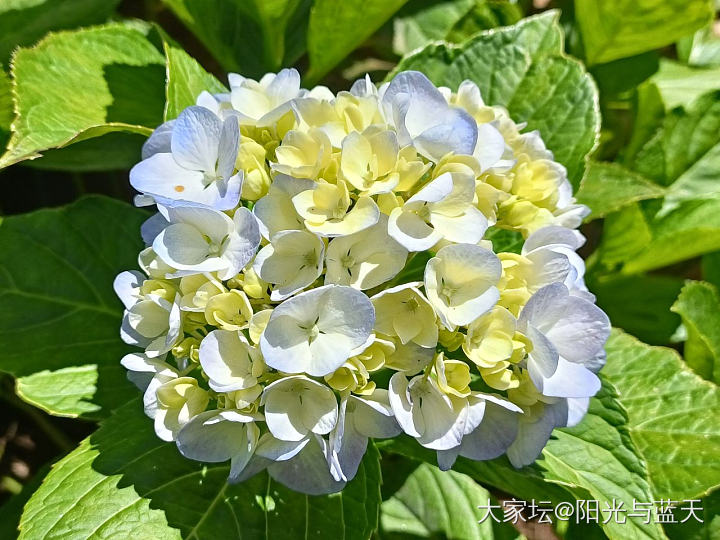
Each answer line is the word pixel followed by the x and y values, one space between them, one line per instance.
pixel 186 80
pixel 639 304
pixel 6 108
pixel 11 510
pixel 59 326
pixel 73 86
pixel 426 21
pixel 681 85
pixel 431 503
pixel 455 20
pixel 484 15
pixel 338 28
pixel 711 268
pixel 649 112
pixel 124 482
pixel 624 74
pixel 23 22
pixel 598 457
pixel 607 187
pixel 250 37
pixel 504 240
pixel 672 416
pixel 594 460
pixel 701 49
pixel 113 151
pixel 699 307
pixel 613 29
pixel 692 229
pixel 512 66
pixel 692 529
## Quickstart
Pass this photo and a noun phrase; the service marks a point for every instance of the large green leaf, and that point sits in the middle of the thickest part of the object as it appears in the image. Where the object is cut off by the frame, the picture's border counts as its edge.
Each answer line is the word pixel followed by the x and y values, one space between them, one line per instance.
pixel 613 29
pixel 672 416
pixel 250 37
pixel 594 460
pixel 186 79
pixel 59 326
pixel 429 503
pixel 513 66
pixel 124 482
pixel 337 28
pixel 23 22
pixel 73 86
pixel 607 187
pixel 699 307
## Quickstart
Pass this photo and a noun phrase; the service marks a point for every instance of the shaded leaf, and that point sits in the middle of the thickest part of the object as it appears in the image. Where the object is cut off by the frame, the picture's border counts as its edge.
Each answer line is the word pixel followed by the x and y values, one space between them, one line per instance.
pixel 124 482
pixel 59 326
pixel 640 304
pixel 245 36
pixel 337 28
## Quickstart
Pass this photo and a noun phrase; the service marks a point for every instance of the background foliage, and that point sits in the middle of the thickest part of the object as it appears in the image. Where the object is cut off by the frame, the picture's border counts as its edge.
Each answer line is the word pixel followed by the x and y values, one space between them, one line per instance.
pixel 626 94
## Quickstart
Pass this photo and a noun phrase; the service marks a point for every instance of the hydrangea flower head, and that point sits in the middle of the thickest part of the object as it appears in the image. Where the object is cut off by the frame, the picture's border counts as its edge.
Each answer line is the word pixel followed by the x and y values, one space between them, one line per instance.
pixel 320 272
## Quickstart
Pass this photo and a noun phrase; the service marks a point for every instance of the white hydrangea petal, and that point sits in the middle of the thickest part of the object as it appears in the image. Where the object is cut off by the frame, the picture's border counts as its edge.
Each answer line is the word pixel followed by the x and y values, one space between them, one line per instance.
pixel 211 438
pixel 307 472
pixel 553 235
pixel 196 138
pixel 533 436
pixel 127 287
pixel 455 131
pixel 577 408
pixel 161 175
pixel 275 449
pixel 411 231
pixel 226 359
pixel 228 147
pixel 373 415
pixel 159 140
pixel 582 332
pixel 324 315
pixel 543 359
pixel 571 380
pixel 242 245
pixel 282 415
pixel 153 226
pixel 275 211
pixel 467 228
pixel 400 402
pixel 490 146
pixel 493 436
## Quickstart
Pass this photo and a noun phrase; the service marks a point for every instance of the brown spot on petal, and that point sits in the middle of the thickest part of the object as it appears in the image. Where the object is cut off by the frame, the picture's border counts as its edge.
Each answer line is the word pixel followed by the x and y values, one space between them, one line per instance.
pixel 179 189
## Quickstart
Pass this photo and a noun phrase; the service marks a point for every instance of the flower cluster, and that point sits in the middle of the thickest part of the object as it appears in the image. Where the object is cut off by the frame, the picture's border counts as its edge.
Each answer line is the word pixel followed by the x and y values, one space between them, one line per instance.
pixel 321 271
